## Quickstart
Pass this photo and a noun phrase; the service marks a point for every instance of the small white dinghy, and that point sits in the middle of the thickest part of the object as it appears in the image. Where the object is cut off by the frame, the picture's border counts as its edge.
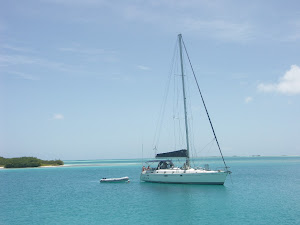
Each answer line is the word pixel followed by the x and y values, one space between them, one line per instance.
pixel 114 180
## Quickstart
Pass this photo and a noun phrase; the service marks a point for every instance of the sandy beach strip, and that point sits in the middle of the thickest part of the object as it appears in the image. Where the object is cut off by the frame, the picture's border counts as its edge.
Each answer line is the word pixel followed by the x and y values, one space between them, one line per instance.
pixel 1 167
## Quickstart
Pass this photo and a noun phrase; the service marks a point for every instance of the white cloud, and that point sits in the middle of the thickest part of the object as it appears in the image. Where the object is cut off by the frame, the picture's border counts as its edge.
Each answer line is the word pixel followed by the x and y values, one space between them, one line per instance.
pixel 58 116
pixel 220 29
pixel 289 84
pixel 207 19
pixel 77 3
pixel 7 60
pixel 293 37
pixel 86 51
pixel 16 49
pixel 143 67
pixel 224 29
pixel 248 99
pixel 295 28
pixel 90 54
pixel 25 76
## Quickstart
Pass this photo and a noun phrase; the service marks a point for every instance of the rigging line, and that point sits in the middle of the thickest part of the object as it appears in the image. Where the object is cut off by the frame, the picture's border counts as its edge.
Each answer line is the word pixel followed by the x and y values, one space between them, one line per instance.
pixel 210 147
pixel 189 106
pixel 175 102
pixel 174 105
pixel 177 120
pixel 209 143
pixel 142 155
pixel 204 105
pixel 163 105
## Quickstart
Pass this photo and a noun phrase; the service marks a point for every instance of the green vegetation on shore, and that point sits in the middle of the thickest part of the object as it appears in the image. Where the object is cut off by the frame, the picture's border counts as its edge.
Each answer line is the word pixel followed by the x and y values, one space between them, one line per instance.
pixel 23 162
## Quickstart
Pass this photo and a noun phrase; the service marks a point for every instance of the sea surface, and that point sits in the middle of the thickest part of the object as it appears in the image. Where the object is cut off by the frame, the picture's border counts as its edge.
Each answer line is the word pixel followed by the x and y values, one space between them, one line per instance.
pixel 261 190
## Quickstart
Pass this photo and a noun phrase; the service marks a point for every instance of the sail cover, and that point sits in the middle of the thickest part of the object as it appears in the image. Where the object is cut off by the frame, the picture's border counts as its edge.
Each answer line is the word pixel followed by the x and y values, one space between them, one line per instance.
pixel 175 154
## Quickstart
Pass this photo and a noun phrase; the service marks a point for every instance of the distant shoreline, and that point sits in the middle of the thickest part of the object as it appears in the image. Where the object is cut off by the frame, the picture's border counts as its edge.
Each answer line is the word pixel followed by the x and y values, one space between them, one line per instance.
pixel 2 167
pixel 211 156
pixel 28 162
pixel 105 162
pixel 138 162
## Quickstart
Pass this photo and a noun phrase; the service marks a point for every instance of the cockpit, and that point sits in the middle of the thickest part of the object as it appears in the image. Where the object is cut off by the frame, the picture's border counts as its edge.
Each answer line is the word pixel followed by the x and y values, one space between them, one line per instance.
pixel 165 164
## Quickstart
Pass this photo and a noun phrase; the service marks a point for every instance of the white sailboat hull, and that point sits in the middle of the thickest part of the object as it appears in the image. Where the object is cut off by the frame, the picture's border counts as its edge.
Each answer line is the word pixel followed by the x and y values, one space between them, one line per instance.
pixel 179 176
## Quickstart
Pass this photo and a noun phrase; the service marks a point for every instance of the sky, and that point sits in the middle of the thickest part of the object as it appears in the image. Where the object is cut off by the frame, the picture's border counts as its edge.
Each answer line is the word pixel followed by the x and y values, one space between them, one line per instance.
pixel 84 79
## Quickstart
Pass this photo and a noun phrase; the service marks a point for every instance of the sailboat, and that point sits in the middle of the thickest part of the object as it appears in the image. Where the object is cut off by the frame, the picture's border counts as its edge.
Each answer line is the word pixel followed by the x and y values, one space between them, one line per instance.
pixel 166 171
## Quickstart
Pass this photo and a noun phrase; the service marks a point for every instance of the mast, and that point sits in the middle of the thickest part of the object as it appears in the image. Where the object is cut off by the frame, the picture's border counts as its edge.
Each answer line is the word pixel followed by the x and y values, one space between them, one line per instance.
pixel 211 125
pixel 184 103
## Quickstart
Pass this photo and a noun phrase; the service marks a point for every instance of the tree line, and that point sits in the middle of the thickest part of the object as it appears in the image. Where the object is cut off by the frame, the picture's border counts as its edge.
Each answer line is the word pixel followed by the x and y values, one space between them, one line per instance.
pixel 23 162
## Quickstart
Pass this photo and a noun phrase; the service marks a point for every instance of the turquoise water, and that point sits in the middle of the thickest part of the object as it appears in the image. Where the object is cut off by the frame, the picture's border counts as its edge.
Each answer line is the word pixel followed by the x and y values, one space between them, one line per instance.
pixel 264 190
